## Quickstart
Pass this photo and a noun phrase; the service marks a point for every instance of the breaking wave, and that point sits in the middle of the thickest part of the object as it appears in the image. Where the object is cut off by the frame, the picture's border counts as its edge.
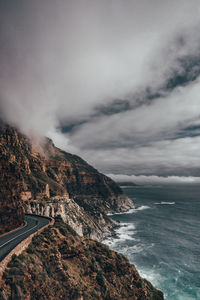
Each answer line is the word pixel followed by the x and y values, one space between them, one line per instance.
pixel 165 203
pixel 130 211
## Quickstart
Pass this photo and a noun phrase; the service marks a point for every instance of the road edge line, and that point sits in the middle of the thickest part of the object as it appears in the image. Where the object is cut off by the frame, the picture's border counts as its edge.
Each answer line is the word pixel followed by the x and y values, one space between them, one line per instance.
pixel 13 230
pixel 21 247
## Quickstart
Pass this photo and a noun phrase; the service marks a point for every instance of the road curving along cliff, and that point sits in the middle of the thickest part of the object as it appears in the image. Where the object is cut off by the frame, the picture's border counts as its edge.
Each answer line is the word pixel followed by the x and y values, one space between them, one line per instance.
pixel 65 260
pixel 11 240
pixel 59 264
pixel 50 182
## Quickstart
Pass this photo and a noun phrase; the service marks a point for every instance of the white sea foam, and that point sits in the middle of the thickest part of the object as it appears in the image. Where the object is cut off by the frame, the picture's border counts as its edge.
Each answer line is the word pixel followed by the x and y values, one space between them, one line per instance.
pixel 119 213
pixel 150 275
pixel 142 207
pixel 130 211
pixel 164 203
pixel 128 226
pixel 124 233
pixel 134 210
pixel 126 186
pixel 129 251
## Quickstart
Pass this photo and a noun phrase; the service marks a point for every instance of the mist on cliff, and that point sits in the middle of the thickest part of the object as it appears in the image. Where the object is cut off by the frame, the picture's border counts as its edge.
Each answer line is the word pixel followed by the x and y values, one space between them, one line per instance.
pixel 95 77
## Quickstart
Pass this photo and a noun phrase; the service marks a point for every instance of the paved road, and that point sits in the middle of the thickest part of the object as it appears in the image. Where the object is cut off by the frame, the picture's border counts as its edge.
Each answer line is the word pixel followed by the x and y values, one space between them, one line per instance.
pixel 11 240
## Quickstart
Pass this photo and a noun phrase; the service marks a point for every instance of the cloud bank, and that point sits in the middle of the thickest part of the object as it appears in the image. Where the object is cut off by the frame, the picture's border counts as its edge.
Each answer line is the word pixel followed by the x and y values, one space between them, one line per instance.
pixel 142 179
pixel 116 82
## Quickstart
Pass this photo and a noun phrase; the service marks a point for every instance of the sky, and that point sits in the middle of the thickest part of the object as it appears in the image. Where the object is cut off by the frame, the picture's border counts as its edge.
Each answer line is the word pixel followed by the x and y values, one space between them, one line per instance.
pixel 116 82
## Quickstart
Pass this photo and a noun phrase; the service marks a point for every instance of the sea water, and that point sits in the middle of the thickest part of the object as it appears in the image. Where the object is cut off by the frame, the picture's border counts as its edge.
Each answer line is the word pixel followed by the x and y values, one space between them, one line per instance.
pixel 162 238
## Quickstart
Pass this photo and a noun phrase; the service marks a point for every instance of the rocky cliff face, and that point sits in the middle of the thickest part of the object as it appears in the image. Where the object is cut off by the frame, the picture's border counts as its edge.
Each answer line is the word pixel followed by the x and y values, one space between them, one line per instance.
pixel 52 182
pixel 11 212
pixel 95 226
pixel 61 265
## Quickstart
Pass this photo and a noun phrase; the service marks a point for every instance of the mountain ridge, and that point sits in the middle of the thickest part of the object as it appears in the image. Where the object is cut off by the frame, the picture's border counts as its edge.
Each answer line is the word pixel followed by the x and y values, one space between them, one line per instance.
pixel 65 261
pixel 53 182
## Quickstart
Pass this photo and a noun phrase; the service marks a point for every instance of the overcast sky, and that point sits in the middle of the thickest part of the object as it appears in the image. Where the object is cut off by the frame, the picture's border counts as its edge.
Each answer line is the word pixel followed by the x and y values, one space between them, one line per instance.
pixel 114 81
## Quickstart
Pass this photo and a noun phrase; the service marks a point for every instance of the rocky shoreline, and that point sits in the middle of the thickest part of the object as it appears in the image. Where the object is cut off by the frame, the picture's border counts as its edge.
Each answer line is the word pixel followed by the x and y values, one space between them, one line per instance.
pixel 66 261
pixel 59 264
pixel 113 234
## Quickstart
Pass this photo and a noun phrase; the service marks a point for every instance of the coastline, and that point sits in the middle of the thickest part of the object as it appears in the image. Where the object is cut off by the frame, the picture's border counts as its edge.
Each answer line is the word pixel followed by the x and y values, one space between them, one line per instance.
pixel 113 234
pixel 164 235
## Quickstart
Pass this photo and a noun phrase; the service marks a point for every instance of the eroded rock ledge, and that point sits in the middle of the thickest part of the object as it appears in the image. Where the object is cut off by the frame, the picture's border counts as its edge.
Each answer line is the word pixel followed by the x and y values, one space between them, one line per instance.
pixel 95 226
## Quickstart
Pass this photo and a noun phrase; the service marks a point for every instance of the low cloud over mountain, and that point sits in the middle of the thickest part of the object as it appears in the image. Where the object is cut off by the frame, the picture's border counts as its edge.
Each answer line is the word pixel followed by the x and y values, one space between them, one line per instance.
pixel 114 81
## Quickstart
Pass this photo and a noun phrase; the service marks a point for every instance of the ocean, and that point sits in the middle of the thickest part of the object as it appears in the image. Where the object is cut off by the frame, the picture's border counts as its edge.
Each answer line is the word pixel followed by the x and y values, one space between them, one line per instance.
pixel 161 237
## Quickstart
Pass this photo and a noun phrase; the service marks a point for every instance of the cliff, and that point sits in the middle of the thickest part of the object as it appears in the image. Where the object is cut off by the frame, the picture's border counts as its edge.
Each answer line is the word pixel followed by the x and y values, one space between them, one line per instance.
pixel 51 182
pixel 59 264
pixel 11 212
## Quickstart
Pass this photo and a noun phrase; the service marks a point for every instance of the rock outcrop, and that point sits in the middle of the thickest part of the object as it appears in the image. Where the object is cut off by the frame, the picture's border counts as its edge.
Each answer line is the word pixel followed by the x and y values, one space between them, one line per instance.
pixel 59 264
pixel 52 182
pixel 95 226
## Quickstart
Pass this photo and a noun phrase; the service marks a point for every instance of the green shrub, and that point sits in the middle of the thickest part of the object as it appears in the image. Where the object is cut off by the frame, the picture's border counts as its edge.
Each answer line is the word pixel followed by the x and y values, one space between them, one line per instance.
pixel 21 257
pixel 100 279
pixel 14 256
pixel 13 264
pixel 37 240
pixel 65 267
pixel 30 249
pixel 16 271
pixel 5 274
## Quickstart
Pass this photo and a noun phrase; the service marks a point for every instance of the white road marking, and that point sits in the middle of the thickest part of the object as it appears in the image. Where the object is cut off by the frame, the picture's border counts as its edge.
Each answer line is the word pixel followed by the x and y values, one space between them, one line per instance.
pixel 18 236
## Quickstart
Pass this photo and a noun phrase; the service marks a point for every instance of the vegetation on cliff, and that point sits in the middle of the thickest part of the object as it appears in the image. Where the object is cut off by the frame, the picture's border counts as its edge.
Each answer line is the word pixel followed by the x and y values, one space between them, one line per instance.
pixel 11 212
pixel 61 265
pixel 44 175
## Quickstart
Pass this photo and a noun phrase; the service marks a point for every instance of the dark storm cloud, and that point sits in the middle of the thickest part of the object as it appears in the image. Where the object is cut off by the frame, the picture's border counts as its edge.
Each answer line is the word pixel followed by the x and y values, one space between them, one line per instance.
pixel 114 81
pixel 115 107
pixel 188 72
pixel 190 131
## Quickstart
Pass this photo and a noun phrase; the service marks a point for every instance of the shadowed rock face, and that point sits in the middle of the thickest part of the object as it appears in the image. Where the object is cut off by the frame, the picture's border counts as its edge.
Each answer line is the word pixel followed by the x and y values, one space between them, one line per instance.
pixel 59 264
pixel 52 182
pixel 11 211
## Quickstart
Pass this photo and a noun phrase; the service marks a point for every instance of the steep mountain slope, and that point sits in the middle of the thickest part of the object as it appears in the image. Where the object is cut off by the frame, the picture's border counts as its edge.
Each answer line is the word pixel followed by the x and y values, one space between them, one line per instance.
pixel 11 212
pixel 61 265
pixel 54 182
